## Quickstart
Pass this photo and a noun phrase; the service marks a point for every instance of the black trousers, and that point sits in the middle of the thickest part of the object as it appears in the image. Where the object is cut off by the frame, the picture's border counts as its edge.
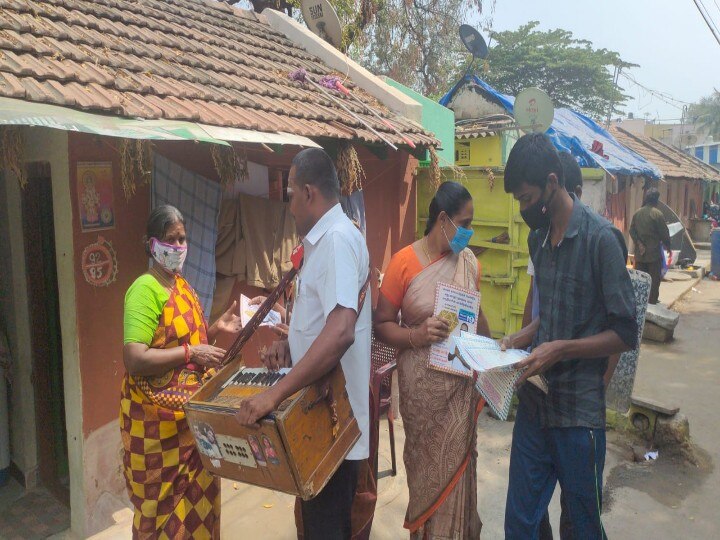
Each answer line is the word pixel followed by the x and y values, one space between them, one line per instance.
pixel 327 516
pixel 652 268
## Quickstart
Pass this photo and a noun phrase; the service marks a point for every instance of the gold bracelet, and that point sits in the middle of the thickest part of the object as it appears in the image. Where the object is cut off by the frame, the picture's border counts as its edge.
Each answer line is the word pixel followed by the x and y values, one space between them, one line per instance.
pixel 410 339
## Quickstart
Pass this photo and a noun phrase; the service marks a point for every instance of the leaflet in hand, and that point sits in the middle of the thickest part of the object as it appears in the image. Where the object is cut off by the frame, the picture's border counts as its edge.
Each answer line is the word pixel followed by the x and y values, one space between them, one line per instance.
pixel 247 311
pixel 459 307
pixel 495 368
pixel 482 354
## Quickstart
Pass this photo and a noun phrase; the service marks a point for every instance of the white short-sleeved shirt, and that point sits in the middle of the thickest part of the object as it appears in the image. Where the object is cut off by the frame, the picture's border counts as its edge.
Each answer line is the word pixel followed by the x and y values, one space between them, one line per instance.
pixel 335 268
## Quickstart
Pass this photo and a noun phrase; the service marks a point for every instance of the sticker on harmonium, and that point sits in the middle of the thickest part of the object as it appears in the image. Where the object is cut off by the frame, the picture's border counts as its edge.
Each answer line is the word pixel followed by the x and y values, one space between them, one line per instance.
pixel 237 450
pixel 207 441
pixel 257 452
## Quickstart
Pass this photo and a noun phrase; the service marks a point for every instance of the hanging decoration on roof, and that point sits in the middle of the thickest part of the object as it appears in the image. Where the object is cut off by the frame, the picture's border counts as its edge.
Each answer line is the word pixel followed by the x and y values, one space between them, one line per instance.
pixel 99 263
pixel 350 171
pixel 435 171
pixel 491 178
pixel 230 165
pixel 136 159
pixel 12 153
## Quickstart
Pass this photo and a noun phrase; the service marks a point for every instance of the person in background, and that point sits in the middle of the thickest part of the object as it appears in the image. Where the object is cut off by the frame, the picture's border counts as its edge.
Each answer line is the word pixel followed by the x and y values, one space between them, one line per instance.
pixel 439 410
pixel 650 235
pixel 328 325
pixel 587 313
pixel 167 358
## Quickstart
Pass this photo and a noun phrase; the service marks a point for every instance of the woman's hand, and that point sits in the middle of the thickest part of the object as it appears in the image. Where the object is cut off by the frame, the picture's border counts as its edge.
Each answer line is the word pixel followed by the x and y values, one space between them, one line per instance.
pixel 229 322
pixel 433 330
pixel 206 355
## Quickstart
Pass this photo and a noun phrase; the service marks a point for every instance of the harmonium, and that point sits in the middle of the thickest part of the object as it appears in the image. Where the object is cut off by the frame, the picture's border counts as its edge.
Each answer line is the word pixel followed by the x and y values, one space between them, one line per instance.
pixel 297 448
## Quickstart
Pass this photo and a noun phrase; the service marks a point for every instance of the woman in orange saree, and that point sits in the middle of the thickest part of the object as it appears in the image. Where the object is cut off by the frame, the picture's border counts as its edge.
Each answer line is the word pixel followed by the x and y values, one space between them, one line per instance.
pixel 167 358
pixel 439 410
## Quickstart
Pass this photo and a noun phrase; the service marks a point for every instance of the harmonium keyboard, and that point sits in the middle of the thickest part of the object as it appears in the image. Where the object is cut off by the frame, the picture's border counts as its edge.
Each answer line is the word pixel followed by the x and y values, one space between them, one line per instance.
pixel 297 448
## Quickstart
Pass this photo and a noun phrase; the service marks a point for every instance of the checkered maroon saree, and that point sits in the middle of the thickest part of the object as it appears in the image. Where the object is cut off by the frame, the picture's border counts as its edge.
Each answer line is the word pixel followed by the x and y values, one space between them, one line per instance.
pixel 172 494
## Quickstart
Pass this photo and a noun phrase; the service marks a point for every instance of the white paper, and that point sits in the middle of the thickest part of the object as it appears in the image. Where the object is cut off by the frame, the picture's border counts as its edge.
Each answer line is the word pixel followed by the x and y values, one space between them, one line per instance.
pixel 247 311
pixel 483 354
pixel 459 307
pixel 496 373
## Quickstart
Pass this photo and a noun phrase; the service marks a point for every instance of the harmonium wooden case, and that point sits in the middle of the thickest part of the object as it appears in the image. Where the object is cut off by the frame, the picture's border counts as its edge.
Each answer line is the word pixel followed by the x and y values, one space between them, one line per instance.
pixel 297 448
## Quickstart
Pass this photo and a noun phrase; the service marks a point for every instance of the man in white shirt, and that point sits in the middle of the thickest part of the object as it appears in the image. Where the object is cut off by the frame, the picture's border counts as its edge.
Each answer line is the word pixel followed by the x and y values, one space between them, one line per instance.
pixel 325 329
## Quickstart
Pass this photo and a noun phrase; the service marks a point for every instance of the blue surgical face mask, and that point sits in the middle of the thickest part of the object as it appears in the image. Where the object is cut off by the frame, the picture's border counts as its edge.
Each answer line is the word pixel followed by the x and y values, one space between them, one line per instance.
pixel 461 239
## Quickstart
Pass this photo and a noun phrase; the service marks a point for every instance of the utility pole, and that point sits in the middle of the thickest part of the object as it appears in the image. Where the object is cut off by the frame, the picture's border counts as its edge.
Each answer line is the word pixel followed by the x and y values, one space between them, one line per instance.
pixel 682 126
pixel 616 77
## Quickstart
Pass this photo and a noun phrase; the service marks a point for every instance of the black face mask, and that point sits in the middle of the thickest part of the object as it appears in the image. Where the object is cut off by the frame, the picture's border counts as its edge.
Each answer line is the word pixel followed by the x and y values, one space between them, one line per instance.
pixel 536 215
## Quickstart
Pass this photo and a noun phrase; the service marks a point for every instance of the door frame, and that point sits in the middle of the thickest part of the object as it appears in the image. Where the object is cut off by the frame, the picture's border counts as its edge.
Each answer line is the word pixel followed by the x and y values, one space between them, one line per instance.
pixel 42 285
pixel 51 145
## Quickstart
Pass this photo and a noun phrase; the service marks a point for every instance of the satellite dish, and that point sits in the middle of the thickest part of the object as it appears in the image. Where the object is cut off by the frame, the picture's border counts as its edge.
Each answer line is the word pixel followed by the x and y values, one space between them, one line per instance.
pixel 534 111
pixel 321 19
pixel 473 41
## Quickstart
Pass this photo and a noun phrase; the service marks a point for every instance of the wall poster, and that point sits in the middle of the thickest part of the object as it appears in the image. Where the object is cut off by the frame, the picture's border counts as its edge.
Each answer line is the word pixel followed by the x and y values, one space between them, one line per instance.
pixel 95 195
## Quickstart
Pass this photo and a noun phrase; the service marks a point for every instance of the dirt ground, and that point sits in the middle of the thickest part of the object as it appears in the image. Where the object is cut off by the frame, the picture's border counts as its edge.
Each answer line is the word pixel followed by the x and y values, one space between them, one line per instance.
pixel 665 499
pixel 671 498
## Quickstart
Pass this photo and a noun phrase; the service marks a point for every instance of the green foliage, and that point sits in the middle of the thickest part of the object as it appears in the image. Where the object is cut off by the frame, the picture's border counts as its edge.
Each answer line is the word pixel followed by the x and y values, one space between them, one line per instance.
pixel 416 42
pixel 570 70
pixel 706 113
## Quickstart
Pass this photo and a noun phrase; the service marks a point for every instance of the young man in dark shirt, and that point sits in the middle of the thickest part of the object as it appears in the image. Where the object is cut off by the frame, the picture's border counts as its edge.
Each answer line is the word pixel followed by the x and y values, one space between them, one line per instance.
pixel 587 313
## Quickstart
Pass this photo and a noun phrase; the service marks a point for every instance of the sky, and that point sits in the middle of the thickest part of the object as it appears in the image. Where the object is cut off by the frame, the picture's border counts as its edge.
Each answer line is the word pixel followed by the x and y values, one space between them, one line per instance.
pixel 668 38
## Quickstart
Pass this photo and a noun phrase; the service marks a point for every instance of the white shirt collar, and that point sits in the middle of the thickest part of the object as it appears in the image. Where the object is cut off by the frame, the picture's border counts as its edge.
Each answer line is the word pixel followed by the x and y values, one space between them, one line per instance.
pixel 323 224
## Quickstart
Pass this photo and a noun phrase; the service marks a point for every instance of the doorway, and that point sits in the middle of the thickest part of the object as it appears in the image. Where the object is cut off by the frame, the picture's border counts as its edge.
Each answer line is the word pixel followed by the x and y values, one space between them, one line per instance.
pixel 43 301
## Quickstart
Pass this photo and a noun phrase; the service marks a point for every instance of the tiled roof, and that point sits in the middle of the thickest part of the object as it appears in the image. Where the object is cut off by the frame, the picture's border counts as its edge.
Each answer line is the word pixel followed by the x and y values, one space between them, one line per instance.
pixel 198 60
pixel 673 162
pixel 483 127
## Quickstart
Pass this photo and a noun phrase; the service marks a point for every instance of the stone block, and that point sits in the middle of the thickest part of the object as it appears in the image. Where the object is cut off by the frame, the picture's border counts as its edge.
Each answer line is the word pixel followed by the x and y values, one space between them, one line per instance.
pixel 662 316
pixel 653 332
pixel 672 430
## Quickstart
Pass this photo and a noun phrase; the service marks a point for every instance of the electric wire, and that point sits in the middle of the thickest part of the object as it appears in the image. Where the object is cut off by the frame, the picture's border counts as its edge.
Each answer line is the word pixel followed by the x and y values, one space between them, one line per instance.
pixel 707 20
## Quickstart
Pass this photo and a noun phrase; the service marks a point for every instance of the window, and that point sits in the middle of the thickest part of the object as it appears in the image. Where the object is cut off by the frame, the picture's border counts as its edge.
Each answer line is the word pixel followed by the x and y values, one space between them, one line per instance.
pixel 713 154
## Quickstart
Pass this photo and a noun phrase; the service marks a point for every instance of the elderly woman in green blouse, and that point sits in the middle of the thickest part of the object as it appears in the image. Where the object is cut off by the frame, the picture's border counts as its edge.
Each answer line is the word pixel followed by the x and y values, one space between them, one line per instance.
pixel 167 358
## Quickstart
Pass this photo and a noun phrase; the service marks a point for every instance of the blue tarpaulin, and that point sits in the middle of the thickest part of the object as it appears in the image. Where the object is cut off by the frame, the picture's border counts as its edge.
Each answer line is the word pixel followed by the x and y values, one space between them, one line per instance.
pixel 575 133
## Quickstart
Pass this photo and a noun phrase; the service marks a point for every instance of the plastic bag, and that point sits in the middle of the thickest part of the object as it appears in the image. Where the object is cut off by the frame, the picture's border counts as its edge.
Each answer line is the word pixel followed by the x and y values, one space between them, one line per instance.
pixel 663 262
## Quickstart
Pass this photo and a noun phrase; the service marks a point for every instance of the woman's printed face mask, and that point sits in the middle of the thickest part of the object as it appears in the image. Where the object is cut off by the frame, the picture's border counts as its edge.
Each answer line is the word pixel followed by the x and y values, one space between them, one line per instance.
pixel 169 256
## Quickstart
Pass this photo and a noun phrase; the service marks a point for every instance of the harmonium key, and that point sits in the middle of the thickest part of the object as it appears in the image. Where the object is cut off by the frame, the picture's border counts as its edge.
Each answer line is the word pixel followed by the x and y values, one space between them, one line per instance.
pixel 250 381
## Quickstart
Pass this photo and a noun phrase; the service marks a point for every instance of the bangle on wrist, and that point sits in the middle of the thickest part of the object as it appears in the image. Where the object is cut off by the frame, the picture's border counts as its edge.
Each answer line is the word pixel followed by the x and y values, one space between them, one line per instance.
pixel 411 340
pixel 187 352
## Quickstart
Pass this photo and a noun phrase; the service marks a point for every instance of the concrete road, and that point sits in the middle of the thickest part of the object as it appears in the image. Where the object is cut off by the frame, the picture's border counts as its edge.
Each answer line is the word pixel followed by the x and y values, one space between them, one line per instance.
pixel 672 498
